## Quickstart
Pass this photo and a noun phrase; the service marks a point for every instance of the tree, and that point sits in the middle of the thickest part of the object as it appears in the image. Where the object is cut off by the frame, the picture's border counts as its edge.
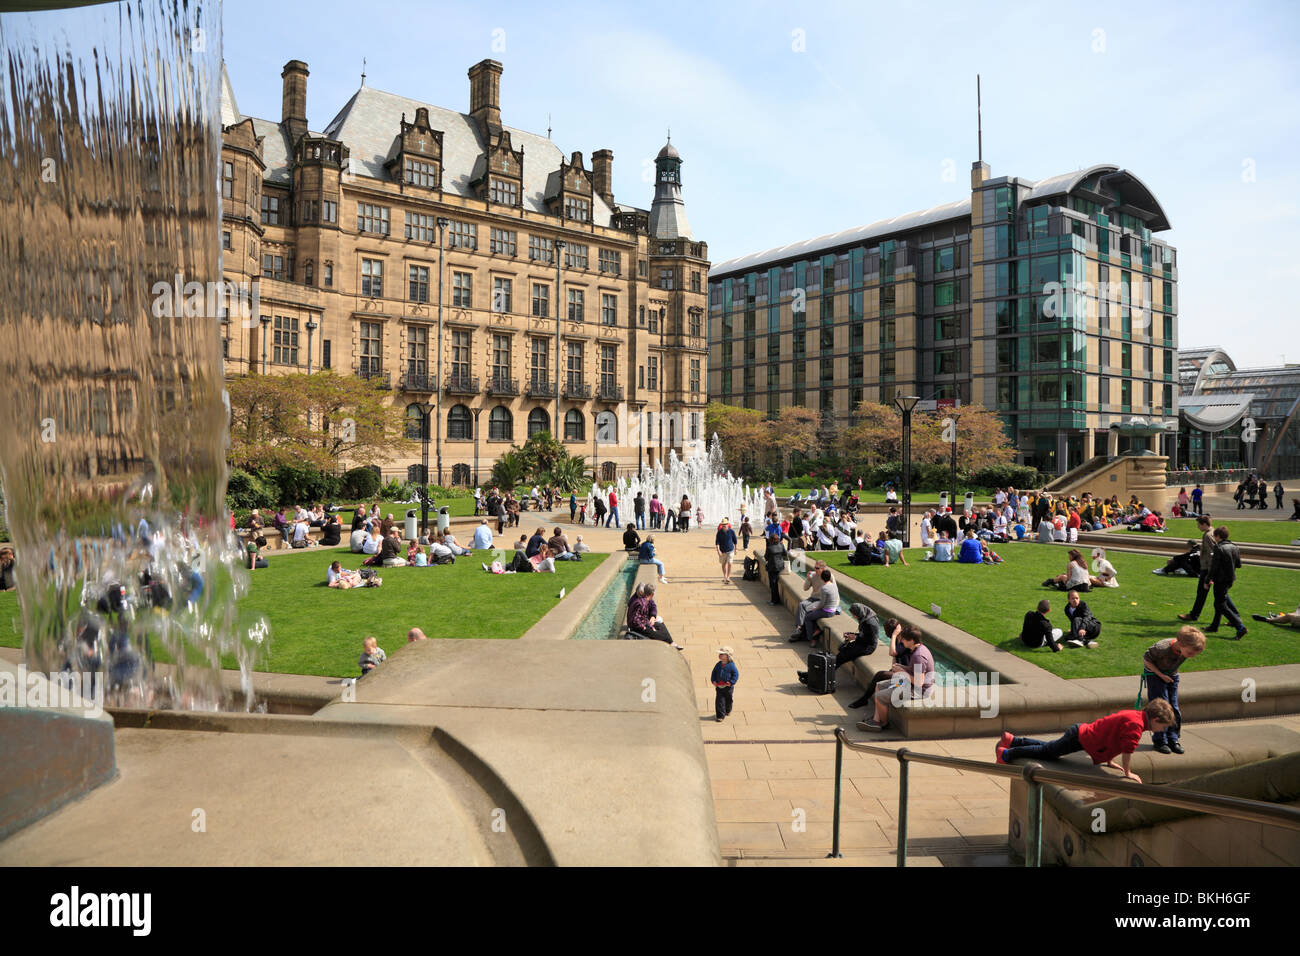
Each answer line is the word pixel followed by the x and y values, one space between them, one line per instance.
pixel 797 432
pixel 742 431
pixel 541 460
pixel 982 440
pixel 875 436
pixel 349 421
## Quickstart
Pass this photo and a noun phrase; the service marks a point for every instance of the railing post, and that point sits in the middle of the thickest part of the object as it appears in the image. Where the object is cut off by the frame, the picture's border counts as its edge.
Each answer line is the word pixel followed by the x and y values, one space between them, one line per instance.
pixel 902 807
pixel 1034 823
pixel 839 771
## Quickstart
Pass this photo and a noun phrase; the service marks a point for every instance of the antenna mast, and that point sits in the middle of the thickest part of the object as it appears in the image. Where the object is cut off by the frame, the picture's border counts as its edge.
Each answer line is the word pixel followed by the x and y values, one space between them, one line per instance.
pixel 979 118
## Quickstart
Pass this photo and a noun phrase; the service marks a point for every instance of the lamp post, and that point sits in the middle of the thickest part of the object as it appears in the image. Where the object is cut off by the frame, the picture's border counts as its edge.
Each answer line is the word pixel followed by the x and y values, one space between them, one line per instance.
pixel 663 380
pixel 266 321
pixel 905 404
pixel 953 415
pixel 443 223
pixel 595 446
pixel 424 465
pixel 312 326
pixel 559 251
pixel 477 413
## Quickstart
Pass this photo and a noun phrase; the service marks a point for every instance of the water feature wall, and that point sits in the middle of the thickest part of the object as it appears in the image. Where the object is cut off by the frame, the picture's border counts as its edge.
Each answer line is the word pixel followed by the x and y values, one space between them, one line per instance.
pixel 113 441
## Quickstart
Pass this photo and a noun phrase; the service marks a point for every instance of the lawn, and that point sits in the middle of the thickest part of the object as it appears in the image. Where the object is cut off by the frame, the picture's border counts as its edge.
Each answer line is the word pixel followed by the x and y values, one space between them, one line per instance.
pixel 990 603
pixel 318 630
pixel 1255 532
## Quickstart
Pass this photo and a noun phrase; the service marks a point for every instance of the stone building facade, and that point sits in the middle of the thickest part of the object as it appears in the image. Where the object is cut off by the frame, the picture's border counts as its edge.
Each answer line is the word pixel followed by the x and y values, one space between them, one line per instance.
pixel 466 268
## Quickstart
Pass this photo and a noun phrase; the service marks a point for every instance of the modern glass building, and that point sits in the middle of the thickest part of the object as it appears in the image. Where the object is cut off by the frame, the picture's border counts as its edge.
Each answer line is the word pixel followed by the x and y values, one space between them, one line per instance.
pixel 1238 418
pixel 1050 301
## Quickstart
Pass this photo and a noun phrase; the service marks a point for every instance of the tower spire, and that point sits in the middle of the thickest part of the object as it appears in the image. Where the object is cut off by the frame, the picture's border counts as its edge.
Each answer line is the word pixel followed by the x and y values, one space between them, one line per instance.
pixel 363 71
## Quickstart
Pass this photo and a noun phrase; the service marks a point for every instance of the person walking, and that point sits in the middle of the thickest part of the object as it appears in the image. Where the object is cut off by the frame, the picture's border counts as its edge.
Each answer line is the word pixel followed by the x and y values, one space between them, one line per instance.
pixel 1208 546
pixel 1222 575
pixel 724 543
pixel 1278 492
pixel 573 506
pixel 613 510
pixel 638 510
pixel 684 515
pixel 775 558
pixel 724 678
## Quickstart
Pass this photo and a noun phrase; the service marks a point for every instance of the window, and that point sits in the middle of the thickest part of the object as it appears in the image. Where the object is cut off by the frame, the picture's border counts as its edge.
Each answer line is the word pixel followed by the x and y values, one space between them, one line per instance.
pixel 272 266
pixel 947 327
pixel 502 294
pixel 1126 357
pixel 695 375
pixel 417 425
pixel 308 211
pixel 888 363
pixel 500 356
pixel 1169 398
pixel 285 340
pixel 504 243
pixel 503 191
pixel 608 368
pixel 574 366
pixel 329 275
pixel 539 361
pixel 577 209
pixel 538 421
pixel 888 295
pixel 420 227
pixel 228 180
pixel 575 256
pixel 372 341
pixel 827 370
pixel 420 173
pixel 417 351
pixel 947 362
pixel 695 282
pixel 462 290
pixel 225 240
pixel 1125 394
pixel 372 278
pixel 667 278
pixel 1007 355
pixel 695 426
pixel 943 259
pixel 329 211
pixel 460 426
pixel 309 273
pixel 612 262
pixel 652 378
pixel 697 322
pixel 577 304
pixel 608 309
pixel 654 323
pixel 946 293
pixel 574 425
pixel 462 235
pixel 372 218
pixel 1103 392
pixel 501 426
pixel 541 249
pixel 325 354
pixel 418 277
pixel 460 354
pixel 541 300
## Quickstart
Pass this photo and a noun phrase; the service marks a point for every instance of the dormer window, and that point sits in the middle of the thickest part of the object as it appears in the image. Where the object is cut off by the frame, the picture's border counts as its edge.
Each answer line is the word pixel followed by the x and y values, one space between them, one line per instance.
pixel 418 173
pixel 504 191
pixel 577 209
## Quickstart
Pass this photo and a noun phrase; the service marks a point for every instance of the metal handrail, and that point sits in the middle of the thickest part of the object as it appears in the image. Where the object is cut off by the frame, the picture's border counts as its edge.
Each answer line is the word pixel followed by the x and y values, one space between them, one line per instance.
pixel 1035 775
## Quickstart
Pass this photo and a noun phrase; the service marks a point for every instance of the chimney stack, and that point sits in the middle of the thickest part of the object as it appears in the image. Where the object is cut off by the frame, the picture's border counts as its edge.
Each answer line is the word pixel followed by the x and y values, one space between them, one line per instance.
pixel 602 175
pixel 485 98
pixel 979 174
pixel 293 105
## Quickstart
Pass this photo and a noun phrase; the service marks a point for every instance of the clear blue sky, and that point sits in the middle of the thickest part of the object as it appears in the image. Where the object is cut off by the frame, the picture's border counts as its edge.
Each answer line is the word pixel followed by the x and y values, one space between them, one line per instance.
pixel 874 117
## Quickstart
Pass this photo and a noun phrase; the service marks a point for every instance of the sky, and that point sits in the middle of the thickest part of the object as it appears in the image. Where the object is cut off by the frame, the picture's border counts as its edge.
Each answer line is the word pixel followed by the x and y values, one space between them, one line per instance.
pixel 799 119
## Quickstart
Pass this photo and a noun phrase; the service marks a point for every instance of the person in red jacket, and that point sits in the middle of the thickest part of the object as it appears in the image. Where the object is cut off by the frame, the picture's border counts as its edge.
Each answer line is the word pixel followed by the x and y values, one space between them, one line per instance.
pixel 1114 736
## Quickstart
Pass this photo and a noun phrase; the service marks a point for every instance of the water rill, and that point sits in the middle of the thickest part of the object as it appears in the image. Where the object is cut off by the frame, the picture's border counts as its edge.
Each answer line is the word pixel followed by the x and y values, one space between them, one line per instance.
pixel 113 445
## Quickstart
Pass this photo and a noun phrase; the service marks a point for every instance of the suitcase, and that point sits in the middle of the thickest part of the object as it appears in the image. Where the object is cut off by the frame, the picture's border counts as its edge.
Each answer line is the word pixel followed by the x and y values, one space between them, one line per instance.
pixel 821 672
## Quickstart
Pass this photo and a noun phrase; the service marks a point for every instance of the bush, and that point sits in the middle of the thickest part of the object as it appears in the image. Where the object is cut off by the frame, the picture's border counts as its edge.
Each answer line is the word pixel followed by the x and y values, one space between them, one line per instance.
pixel 1000 476
pixel 305 486
pixel 359 484
pixel 245 491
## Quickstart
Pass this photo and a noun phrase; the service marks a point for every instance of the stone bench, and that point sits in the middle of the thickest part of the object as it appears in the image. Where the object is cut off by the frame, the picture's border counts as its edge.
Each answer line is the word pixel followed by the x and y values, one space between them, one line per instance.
pixel 276 542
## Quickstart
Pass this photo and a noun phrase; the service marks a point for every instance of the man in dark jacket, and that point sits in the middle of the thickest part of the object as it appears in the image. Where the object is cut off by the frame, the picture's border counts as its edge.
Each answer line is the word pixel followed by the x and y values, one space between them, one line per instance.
pixel 1223 574
pixel 870 633
pixel 1037 629
pixel 1084 628
pixel 774 557
pixel 945 522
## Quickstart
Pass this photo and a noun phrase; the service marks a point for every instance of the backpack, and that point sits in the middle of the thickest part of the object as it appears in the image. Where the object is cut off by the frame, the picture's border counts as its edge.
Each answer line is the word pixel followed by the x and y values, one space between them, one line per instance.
pixel 751 569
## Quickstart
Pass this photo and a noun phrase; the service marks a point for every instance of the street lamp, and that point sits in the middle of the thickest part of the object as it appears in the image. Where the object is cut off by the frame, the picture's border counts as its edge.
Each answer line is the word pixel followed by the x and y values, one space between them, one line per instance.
pixel 559 251
pixel 266 321
pixel 663 380
pixel 953 415
pixel 905 404
pixel 427 409
pixel 312 326
pixel 443 223
pixel 595 446
pixel 477 412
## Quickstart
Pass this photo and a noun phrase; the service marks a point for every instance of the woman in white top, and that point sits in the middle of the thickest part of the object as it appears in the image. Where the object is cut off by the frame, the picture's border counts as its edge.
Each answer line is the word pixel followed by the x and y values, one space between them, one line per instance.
pixel 843 539
pixel 926 529
pixel 1076 574
pixel 825 537
pixel 1022 509
pixel 891 496
pixel 1105 576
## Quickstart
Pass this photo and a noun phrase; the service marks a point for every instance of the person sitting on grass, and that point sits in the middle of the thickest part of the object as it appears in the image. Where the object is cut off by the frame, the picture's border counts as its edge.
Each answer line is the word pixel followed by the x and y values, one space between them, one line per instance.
pixel 415 556
pixel 1037 630
pixel 372 655
pixel 1106 576
pixel 372 545
pixel 390 552
pixel 914 682
pixel 631 540
pixel 340 577
pixel 1187 564
pixel 8 573
pixel 893 548
pixel 943 548
pixel 1116 735
pixel 439 553
pixel 254 551
pixel 1076 575
pixel 1152 521
pixel 971 552
pixel 580 546
pixel 1084 628
pixel 864 552
pixel 449 539
pixel 559 545
pixel 1045 530
pixel 415 635
pixel 333 532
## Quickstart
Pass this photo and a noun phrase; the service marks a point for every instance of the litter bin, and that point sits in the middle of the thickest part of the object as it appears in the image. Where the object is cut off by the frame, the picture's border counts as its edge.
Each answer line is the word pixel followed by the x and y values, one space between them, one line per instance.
pixel 970 502
pixel 943 501
pixel 412 532
pixel 444 518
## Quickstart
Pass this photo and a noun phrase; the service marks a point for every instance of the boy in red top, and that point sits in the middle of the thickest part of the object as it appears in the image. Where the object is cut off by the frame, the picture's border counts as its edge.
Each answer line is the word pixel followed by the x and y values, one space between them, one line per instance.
pixel 1104 740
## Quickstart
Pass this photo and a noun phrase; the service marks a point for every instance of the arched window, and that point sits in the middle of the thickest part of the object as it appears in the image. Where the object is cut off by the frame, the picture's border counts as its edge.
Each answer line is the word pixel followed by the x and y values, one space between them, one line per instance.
pixel 501 425
pixel 417 426
pixel 607 428
pixel 459 423
pixel 608 471
pixel 417 474
pixel 575 425
pixel 460 475
pixel 538 421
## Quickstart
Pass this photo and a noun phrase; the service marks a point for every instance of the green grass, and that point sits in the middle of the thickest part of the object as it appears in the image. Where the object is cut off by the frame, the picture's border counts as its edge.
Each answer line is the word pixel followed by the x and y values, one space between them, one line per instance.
pixel 1254 532
pixel 318 630
pixel 990 603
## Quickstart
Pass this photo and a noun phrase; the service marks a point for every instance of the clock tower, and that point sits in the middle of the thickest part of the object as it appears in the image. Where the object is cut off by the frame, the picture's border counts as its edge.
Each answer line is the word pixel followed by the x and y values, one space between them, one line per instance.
pixel 668 212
